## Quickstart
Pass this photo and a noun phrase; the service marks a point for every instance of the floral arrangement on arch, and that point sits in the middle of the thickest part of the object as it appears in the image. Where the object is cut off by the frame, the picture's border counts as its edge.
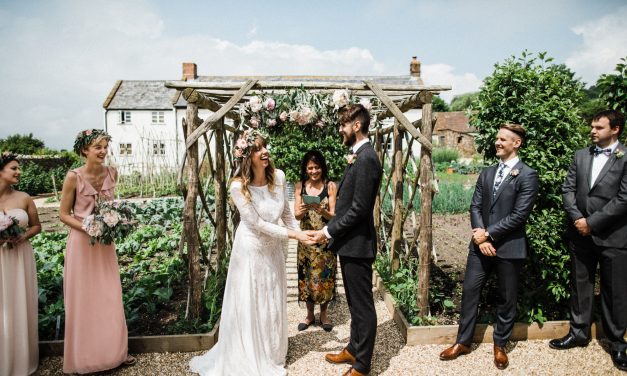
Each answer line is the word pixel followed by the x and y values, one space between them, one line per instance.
pixel 298 108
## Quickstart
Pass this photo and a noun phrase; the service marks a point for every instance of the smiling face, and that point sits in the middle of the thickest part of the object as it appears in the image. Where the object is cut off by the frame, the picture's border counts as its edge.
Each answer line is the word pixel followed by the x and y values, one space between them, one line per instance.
pixel 260 156
pixel 97 151
pixel 507 144
pixel 348 131
pixel 314 171
pixel 602 134
pixel 11 173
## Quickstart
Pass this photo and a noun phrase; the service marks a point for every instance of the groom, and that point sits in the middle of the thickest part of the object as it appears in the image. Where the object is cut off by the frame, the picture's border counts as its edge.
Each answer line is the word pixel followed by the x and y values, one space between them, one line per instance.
pixel 352 236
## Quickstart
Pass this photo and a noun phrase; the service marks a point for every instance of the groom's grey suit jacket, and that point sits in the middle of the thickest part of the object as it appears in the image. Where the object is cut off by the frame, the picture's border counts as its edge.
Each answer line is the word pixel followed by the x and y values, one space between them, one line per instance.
pixel 352 228
pixel 604 205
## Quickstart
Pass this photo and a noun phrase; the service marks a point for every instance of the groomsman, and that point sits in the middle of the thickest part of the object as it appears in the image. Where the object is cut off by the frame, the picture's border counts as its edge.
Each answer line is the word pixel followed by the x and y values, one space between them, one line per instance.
pixel 503 199
pixel 595 199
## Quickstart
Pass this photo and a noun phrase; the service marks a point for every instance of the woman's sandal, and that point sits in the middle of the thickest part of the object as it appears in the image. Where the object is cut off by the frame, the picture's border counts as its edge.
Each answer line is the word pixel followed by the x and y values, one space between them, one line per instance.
pixel 303 325
pixel 326 326
pixel 130 361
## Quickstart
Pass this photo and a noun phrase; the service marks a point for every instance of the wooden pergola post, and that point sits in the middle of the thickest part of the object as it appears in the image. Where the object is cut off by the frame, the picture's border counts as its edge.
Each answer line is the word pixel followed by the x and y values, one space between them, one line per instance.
pixel 426 196
pixel 220 191
pixel 398 184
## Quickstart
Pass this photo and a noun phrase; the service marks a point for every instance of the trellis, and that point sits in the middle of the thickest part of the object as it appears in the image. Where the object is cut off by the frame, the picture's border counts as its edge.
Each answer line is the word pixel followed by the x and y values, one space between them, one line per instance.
pixel 225 97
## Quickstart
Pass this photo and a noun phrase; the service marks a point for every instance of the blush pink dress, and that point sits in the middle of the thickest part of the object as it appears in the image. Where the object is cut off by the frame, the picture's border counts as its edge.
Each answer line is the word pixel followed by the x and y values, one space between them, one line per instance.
pixel 96 337
pixel 19 354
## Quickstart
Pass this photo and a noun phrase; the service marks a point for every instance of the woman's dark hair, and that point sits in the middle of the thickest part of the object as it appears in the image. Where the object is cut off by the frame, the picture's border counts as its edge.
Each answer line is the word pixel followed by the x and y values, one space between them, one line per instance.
pixel 316 157
pixel 6 158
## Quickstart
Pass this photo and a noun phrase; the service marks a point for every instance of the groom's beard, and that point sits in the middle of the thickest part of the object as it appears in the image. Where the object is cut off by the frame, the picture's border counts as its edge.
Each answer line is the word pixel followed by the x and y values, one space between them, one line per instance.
pixel 350 140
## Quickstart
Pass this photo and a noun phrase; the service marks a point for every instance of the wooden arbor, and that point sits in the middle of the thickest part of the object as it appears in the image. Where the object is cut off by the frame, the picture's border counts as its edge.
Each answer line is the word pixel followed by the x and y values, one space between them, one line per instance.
pixel 224 97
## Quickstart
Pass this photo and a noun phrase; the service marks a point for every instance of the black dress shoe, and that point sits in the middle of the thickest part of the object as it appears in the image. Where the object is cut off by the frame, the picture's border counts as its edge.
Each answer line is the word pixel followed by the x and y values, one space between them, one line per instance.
pixel 567 342
pixel 620 359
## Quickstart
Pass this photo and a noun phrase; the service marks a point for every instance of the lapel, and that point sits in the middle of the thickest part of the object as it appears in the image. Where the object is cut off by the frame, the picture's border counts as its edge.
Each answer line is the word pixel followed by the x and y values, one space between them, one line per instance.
pixel 587 162
pixel 610 162
pixel 506 180
pixel 349 165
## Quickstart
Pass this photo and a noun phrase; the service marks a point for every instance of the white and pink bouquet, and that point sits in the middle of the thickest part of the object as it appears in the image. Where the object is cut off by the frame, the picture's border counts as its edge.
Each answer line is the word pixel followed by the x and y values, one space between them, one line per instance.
pixel 9 228
pixel 111 221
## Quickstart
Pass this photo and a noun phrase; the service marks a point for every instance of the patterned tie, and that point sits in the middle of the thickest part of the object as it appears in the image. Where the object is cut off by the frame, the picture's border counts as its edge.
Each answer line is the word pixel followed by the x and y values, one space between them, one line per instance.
pixel 499 179
pixel 598 151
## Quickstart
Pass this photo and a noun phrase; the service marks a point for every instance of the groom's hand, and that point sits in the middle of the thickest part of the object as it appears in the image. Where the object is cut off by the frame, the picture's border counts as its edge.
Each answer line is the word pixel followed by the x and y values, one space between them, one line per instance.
pixel 318 236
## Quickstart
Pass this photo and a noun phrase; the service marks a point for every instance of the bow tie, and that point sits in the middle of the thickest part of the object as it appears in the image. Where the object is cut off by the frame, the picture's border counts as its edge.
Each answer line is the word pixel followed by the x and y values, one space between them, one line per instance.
pixel 598 151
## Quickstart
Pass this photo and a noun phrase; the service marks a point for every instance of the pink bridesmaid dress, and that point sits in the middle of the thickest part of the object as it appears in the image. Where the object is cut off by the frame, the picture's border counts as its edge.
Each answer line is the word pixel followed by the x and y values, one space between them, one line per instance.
pixel 96 337
pixel 19 351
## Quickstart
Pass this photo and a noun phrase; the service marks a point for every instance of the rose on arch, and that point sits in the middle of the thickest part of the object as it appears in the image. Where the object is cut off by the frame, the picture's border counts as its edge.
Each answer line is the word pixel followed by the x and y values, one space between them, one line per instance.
pixel 366 103
pixel 254 122
pixel 270 104
pixel 271 123
pixel 255 104
pixel 283 116
pixel 305 116
pixel 294 115
pixel 340 98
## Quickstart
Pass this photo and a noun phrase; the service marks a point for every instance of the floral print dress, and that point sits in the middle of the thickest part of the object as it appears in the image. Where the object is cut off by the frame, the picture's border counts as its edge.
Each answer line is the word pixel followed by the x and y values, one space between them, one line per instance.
pixel 317 265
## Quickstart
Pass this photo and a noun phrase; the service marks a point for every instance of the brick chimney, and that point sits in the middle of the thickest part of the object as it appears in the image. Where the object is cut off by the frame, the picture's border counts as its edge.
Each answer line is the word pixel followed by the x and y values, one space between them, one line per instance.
pixel 414 67
pixel 190 71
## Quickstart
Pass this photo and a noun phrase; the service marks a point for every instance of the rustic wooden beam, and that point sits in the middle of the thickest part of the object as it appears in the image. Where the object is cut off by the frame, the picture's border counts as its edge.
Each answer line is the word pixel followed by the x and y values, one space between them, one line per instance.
pixel 378 140
pixel 398 114
pixel 426 214
pixel 397 182
pixel 216 116
pixel 203 100
pixel 269 85
pixel 220 194
pixel 406 104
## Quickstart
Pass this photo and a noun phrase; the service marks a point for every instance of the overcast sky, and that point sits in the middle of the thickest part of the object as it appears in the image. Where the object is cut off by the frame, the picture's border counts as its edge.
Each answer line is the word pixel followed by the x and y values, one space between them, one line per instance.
pixel 59 59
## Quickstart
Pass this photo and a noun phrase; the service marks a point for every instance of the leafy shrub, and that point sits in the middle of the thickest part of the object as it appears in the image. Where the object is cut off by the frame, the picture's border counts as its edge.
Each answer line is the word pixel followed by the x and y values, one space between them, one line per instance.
pixel 445 155
pixel 543 97
pixel 613 87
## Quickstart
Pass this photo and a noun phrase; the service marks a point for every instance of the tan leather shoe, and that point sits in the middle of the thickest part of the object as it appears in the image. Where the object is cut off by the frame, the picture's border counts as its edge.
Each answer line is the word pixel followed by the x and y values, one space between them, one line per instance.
pixel 454 351
pixel 343 357
pixel 353 372
pixel 500 357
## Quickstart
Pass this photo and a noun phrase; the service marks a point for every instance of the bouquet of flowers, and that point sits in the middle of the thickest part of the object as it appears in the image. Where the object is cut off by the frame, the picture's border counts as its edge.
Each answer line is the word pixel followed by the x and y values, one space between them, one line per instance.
pixel 9 228
pixel 111 221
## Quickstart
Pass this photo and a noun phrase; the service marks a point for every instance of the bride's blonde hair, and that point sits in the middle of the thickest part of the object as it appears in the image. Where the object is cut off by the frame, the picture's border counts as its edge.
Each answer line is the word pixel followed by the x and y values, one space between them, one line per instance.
pixel 245 173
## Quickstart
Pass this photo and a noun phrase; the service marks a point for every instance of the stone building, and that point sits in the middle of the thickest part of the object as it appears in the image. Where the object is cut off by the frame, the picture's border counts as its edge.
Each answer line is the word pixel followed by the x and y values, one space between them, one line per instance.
pixel 453 131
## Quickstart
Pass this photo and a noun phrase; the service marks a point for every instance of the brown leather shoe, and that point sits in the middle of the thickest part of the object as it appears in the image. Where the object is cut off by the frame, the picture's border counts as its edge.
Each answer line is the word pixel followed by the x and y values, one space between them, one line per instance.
pixel 500 357
pixel 454 351
pixel 353 372
pixel 343 357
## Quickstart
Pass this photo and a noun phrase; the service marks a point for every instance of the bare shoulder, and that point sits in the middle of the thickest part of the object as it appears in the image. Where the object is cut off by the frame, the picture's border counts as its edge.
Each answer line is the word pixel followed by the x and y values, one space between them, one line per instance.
pixel 280 176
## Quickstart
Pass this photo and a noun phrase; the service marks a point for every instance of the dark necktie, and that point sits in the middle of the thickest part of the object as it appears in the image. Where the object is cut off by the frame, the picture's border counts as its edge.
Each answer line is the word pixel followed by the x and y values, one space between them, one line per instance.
pixel 498 179
pixel 598 151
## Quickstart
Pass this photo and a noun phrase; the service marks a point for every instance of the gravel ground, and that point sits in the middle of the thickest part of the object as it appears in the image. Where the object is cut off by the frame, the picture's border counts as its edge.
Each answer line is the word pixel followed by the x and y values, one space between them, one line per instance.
pixel 306 354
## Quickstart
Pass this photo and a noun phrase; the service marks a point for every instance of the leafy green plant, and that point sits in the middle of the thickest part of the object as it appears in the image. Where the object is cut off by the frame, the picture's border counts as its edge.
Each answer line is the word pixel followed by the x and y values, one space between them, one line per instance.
pixel 613 87
pixel 445 155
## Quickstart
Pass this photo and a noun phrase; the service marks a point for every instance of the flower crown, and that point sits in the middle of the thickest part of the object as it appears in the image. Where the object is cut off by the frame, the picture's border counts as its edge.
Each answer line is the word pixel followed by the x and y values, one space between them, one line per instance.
pixel 86 137
pixel 245 143
pixel 7 157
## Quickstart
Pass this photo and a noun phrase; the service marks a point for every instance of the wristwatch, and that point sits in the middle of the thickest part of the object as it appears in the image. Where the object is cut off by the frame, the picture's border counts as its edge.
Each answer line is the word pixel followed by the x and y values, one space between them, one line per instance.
pixel 487 235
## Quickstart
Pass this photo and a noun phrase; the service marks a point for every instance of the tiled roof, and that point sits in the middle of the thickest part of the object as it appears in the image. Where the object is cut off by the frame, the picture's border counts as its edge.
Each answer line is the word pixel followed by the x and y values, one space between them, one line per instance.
pixel 140 95
pixel 456 121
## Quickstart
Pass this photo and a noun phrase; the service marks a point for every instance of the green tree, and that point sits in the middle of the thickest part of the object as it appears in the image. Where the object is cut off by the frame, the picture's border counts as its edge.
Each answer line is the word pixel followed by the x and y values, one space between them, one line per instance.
pixel 544 98
pixel 21 144
pixel 613 88
pixel 464 102
pixel 439 105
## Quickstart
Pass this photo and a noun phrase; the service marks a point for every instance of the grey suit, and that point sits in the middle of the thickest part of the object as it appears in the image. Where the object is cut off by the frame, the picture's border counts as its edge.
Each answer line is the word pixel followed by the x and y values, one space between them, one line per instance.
pixel 604 205
pixel 504 217
pixel 354 240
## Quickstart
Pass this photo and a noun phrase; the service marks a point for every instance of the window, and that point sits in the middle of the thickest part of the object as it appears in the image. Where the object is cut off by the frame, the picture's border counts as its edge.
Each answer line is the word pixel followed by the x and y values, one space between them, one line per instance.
pixel 460 139
pixel 158 148
pixel 442 141
pixel 126 149
pixel 158 117
pixel 125 117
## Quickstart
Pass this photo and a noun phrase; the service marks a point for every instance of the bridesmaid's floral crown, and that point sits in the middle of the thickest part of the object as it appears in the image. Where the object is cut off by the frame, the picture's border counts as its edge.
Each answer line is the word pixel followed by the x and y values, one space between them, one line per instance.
pixel 245 143
pixel 7 157
pixel 86 137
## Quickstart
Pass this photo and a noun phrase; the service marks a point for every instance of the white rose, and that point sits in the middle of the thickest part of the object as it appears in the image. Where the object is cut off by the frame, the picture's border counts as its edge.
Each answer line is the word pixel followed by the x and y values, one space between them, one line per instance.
pixel 111 218
pixel 366 103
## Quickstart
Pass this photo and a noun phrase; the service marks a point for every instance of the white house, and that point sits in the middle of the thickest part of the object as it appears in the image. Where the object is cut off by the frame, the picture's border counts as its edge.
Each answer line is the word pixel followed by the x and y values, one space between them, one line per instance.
pixel 144 119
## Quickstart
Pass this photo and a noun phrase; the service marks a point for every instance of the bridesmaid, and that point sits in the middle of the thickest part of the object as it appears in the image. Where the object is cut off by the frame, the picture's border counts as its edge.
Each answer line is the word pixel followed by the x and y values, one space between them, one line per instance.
pixel 19 351
pixel 96 337
pixel 317 265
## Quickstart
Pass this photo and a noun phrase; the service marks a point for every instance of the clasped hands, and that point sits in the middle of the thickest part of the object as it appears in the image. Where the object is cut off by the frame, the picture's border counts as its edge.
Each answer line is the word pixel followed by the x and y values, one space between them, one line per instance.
pixel 582 227
pixel 14 240
pixel 311 237
pixel 480 238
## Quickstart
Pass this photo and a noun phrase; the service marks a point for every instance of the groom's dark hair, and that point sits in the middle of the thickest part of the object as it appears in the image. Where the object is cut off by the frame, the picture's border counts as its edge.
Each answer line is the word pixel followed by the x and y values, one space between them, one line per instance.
pixel 355 112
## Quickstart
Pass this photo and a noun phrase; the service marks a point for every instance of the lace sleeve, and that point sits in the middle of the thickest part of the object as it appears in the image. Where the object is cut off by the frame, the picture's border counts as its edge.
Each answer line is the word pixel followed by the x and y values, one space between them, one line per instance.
pixel 249 215
pixel 287 216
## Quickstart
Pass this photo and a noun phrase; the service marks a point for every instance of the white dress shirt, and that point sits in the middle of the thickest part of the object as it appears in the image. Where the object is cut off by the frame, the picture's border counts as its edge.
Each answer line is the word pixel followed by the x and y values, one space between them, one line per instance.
pixel 509 164
pixel 354 150
pixel 598 161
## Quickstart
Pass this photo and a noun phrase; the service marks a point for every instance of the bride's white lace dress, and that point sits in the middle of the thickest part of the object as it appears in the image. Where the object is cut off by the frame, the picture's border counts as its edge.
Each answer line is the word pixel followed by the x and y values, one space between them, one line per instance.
pixel 253 323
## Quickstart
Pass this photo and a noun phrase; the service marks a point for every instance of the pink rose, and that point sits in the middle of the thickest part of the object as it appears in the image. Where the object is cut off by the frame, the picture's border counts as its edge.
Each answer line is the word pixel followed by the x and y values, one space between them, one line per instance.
pixel 366 103
pixel 271 123
pixel 319 124
pixel 270 104
pixel 283 116
pixel 255 104
pixel 294 115
pixel 241 143
pixel 254 122
pixel 238 153
pixel 5 222
pixel 87 132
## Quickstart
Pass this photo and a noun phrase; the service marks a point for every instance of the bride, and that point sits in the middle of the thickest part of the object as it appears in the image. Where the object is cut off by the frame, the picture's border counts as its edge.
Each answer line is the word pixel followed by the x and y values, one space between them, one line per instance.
pixel 253 323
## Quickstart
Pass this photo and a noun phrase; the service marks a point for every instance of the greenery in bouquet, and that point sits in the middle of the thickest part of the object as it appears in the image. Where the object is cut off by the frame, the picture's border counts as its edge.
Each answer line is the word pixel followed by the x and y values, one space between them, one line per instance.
pixel 111 221
pixel 9 227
